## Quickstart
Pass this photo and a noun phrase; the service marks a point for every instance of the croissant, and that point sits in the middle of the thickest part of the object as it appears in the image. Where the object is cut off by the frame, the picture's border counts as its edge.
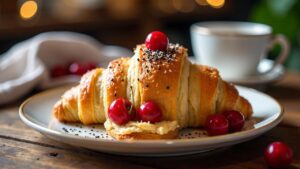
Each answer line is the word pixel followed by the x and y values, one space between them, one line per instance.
pixel 186 93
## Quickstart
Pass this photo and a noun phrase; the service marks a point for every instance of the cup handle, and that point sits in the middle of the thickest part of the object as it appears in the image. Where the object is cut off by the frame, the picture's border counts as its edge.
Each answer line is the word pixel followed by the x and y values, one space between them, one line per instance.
pixel 284 43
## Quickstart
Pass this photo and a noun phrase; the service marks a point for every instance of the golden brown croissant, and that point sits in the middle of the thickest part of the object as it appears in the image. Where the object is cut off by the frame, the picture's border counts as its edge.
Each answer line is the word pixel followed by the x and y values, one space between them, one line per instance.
pixel 186 93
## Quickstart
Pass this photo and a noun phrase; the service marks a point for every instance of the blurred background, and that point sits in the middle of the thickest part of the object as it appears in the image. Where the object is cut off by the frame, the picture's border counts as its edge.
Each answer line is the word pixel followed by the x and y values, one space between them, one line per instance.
pixel 127 22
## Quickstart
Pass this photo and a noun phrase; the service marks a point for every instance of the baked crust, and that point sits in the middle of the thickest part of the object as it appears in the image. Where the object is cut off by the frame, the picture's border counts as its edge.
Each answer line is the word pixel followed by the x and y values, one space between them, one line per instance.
pixel 186 93
pixel 203 93
pixel 66 110
pixel 143 135
pixel 160 80
pixel 90 107
pixel 209 94
pixel 115 83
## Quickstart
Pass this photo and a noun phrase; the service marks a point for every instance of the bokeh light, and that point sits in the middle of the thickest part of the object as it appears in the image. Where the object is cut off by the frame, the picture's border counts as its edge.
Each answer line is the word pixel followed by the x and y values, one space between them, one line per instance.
pixel 28 9
pixel 216 3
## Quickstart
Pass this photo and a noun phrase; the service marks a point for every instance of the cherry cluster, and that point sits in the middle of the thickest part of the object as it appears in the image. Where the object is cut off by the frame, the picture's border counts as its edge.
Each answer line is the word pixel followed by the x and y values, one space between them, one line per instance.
pixel 121 111
pixel 74 68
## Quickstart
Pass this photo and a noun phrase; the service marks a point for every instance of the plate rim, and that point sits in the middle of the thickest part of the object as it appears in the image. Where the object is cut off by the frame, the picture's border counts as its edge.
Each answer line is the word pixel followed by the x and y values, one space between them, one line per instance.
pixel 177 142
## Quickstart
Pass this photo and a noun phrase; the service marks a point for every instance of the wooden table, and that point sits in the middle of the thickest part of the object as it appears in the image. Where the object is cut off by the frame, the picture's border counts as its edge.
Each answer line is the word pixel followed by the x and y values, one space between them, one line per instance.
pixel 22 147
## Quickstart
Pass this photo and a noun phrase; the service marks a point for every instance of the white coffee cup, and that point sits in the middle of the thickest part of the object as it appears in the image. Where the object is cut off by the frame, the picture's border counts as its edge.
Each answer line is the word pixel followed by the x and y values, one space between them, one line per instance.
pixel 235 48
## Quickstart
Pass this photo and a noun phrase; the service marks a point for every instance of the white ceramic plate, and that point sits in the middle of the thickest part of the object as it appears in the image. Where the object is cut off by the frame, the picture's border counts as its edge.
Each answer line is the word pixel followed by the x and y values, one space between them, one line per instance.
pixel 36 113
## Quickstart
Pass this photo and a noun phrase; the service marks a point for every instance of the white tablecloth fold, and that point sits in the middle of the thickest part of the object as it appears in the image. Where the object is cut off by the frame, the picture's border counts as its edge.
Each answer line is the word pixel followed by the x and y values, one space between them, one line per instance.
pixel 27 64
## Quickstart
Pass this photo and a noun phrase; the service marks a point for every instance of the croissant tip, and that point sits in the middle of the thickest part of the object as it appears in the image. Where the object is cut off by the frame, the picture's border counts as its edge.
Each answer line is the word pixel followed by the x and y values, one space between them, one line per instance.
pixel 58 111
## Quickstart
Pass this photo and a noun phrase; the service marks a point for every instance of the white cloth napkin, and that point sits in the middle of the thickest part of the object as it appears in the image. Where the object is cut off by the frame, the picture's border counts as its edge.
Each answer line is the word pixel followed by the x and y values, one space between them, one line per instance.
pixel 27 64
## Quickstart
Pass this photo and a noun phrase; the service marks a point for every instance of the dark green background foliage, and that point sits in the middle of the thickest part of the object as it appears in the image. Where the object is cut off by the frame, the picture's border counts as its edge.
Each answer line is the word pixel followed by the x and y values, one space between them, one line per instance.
pixel 284 17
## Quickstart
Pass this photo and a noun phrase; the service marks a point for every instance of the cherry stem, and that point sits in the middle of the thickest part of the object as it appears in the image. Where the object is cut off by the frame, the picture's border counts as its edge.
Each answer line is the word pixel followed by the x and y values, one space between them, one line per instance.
pixel 130 110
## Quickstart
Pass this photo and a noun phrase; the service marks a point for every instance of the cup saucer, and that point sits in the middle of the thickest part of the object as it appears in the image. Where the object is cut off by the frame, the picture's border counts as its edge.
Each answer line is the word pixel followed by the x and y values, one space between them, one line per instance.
pixel 257 81
pixel 261 78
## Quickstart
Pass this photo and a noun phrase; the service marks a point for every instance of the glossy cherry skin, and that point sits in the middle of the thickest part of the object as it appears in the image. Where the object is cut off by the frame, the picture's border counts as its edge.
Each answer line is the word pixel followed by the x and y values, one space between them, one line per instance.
pixel 236 120
pixel 149 112
pixel 121 111
pixel 216 125
pixel 157 41
pixel 59 70
pixel 77 68
pixel 278 155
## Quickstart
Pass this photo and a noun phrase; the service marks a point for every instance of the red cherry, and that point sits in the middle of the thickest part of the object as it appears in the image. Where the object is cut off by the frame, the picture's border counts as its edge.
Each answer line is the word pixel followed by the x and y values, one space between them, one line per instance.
pixel 90 66
pixel 216 124
pixel 121 111
pixel 77 69
pixel 278 155
pixel 149 112
pixel 157 41
pixel 59 70
pixel 236 120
